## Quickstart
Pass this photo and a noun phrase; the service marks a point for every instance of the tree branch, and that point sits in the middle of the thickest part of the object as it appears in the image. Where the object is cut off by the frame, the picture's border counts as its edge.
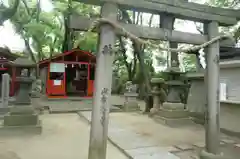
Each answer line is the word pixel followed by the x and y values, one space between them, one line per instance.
pixel 9 12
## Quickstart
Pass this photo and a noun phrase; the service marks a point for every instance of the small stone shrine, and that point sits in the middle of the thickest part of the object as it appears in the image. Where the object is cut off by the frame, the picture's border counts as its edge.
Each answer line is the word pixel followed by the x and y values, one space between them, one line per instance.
pixel 130 103
pixel 173 112
pixel 197 96
pixel 158 95
pixel 22 114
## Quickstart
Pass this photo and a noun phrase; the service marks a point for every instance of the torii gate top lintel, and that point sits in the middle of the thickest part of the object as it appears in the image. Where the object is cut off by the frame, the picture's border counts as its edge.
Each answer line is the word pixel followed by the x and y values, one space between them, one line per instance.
pixel 179 9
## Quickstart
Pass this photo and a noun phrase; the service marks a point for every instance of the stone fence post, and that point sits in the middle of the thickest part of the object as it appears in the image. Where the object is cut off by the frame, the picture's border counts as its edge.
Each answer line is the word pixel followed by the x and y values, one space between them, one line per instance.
pixel 5 90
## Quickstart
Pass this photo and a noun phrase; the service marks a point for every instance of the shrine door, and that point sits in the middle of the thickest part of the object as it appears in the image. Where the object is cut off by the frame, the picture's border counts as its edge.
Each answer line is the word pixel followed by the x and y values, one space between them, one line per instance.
pixel 56 79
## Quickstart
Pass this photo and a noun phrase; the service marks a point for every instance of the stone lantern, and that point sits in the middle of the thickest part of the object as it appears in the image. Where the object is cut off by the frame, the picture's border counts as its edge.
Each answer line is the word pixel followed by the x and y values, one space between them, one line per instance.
pixel 173 112
pixel 131 103
pixel 22 114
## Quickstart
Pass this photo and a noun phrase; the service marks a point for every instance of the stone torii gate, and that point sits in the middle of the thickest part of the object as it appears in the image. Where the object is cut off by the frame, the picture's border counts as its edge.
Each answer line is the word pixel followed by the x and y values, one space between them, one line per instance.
pixel 211 17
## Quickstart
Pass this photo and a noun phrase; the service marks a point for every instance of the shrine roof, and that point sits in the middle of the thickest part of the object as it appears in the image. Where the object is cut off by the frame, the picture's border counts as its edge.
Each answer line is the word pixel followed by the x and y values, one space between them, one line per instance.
pixel 79 51
pixel 6 53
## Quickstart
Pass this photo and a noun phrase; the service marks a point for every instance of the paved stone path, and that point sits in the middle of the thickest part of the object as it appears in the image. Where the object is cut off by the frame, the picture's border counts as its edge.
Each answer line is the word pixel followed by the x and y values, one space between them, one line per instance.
pixel 229 116
pixel 133 145
pixel 140 137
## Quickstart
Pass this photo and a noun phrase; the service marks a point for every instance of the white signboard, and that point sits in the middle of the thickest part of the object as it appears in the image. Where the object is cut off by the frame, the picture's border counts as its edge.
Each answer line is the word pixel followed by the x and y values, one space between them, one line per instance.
pixel 57 67
pixel 57 82
pixel 223 91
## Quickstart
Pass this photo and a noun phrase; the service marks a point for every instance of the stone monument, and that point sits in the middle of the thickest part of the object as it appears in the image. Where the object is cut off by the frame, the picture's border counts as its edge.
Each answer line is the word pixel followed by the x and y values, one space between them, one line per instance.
pixel 158 95
pixel 22 115
pixel 115 82
pixel 5 89
pixel 196 97
pixel 130 103
pixel 173 112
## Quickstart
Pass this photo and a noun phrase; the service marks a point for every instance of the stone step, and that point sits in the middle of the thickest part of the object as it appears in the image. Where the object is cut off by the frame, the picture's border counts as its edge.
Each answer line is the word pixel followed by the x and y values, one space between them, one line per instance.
pixel 167 113
pixel 173 106
pixel 131 106
pixel 20 120
pixel 21 130
pixel 178 122
pixel 15 110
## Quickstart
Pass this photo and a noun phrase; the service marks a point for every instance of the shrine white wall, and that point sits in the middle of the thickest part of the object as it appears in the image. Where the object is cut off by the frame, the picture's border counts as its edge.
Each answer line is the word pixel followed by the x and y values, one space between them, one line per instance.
pixel 230 75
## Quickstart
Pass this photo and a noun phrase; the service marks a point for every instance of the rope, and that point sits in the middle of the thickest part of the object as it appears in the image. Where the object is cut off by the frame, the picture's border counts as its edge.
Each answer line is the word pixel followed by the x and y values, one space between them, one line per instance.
pixel 126 33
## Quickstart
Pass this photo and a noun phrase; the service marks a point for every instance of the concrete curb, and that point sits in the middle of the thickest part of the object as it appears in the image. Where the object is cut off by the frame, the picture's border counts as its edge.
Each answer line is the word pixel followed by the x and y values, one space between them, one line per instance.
pixel 67 111
pixel 222 130
pixel 206 155
pixel 230 132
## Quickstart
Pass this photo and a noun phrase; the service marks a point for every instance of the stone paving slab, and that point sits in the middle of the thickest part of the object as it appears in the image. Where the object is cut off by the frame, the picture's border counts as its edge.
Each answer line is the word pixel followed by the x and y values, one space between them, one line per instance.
pixel 72 107
pixel 185 147
pixel 150 150
pixel 199 144
pixel 132 144
pixel 159 155
pixel 237 145
pixel 228 141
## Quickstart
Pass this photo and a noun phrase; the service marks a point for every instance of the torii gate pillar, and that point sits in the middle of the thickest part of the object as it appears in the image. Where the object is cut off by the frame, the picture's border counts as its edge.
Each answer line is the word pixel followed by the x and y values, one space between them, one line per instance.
pixel 213 105
pixel 102 85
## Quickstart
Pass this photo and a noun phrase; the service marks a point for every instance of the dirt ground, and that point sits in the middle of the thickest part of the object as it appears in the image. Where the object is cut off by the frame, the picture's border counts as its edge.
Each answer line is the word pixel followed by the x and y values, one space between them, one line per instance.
pixel 64 136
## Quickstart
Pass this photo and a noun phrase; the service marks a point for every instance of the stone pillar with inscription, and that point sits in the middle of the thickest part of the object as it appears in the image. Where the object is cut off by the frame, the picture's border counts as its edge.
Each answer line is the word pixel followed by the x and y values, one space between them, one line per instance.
pixel 5 90
pixel 22 114
pixel 131 103
pixel 196 97
pixel 102 84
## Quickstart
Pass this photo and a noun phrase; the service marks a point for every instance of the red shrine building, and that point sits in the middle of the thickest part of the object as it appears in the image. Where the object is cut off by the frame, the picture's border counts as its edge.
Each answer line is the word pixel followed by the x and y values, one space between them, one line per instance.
pixel 68 74
pixel 5 58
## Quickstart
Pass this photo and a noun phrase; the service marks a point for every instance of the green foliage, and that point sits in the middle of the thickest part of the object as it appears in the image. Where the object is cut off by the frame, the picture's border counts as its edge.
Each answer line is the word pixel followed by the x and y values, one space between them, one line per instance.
pixel 44 31
pixel 189 62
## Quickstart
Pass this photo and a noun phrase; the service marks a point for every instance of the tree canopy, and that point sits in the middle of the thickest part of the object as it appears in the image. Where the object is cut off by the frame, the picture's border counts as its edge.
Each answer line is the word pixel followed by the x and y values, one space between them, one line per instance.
pixel 46 32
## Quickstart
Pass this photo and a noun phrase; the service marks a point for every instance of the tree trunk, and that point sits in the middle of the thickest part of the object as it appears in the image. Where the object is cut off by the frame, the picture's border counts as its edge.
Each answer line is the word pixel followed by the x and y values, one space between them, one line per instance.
pixel 140 55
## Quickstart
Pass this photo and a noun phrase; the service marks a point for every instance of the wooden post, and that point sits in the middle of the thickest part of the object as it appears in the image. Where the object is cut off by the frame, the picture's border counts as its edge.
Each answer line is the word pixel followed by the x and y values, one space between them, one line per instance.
pixel 102 85
pixel 213 104
pixel 14 71
pixel 5 89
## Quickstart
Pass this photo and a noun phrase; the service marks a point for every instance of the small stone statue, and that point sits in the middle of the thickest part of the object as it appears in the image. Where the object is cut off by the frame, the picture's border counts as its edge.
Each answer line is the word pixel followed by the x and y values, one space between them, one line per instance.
pixel 33 73
pixel 24 73
pixel 128 86
pixel 36 88
pixel 131 87
pixel 174 67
